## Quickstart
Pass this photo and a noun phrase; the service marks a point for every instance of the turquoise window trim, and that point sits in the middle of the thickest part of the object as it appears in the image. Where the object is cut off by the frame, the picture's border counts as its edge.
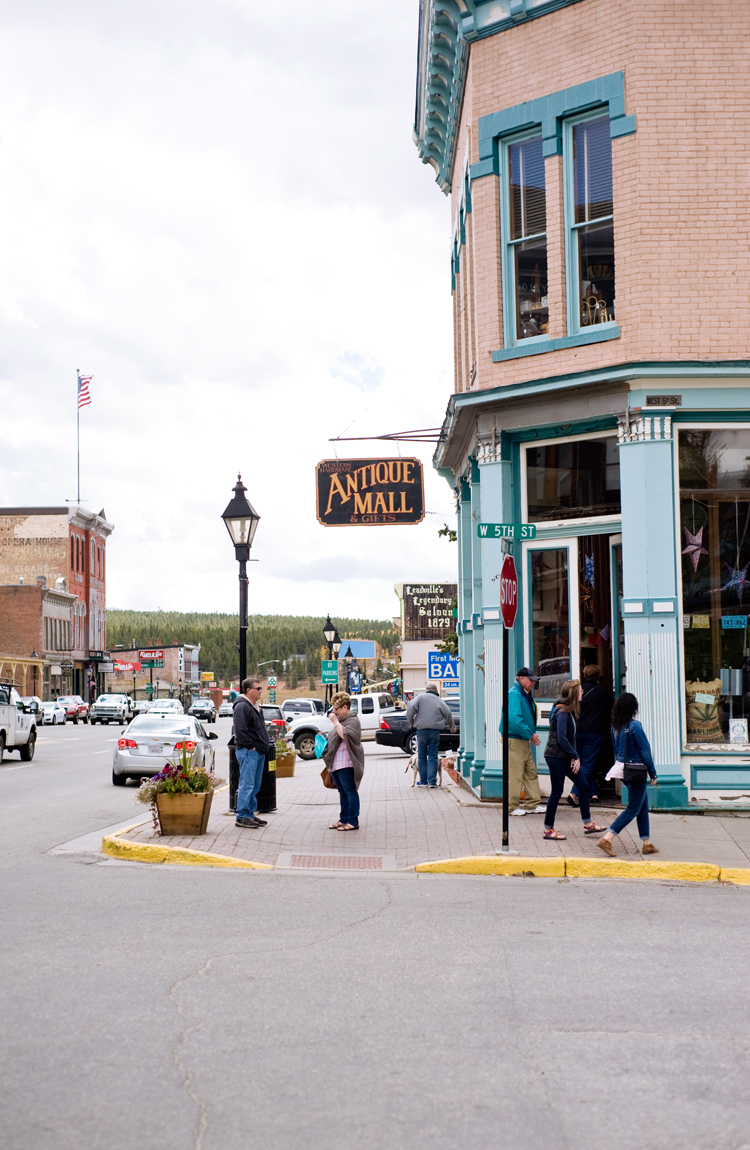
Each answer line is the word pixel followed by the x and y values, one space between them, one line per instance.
pixel 599 334
pixel 571 239
pixel 548 112
pixel 540 342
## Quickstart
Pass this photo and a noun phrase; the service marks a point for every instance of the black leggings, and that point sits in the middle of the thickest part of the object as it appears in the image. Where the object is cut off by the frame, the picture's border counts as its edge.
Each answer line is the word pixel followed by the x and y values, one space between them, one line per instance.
pixel 558 769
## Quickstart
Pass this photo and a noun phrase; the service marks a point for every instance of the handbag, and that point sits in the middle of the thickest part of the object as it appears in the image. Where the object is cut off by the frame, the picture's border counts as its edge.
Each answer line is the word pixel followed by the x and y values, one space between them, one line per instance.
pixel 321 742
pixel 328 782
pixel 632 773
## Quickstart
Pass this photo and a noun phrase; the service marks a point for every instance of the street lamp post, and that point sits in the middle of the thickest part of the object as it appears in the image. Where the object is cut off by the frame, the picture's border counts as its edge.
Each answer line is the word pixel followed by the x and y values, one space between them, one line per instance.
pixel 348 660
pixel 331 636
pixel 242 521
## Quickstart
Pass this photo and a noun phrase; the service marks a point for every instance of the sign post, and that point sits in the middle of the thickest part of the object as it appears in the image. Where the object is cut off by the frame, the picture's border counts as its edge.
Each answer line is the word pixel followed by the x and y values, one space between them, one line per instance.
pixel 508 608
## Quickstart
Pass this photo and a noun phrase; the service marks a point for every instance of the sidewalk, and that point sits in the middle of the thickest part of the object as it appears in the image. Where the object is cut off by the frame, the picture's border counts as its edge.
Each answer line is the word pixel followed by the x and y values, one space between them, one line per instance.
pixel 402 826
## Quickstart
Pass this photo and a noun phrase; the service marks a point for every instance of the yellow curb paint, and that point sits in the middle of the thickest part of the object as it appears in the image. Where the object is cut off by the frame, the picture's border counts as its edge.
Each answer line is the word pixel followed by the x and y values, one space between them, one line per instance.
pixel 621 868
pixel 145 852
pixel 495 864
pixel 738 874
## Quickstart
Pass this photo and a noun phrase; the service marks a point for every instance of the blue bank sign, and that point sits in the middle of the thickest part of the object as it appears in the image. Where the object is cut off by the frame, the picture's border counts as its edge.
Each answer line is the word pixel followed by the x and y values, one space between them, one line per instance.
pixel 442 666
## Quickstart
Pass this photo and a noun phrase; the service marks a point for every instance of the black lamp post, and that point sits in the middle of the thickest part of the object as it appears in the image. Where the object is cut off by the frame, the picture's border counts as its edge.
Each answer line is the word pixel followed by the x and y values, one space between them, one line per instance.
pixel 348 660
pixel 331 636
pixel 242 521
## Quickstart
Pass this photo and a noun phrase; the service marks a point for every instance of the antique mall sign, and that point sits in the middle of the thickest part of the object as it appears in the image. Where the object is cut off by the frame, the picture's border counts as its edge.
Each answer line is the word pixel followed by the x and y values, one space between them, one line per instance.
pixel 369 491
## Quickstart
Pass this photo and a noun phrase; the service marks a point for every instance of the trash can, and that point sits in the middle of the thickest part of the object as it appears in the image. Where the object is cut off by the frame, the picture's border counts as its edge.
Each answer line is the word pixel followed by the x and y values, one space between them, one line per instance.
pixel 267 792
pixel 234 778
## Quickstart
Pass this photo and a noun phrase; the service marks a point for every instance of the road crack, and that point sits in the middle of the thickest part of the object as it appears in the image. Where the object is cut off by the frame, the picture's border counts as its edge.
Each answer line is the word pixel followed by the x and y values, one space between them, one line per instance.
pixel 188 1076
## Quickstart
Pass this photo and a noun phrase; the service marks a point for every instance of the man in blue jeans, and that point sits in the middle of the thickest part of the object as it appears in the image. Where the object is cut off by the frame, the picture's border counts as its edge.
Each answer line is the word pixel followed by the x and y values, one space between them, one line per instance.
pixel 429 715
pixel 251 747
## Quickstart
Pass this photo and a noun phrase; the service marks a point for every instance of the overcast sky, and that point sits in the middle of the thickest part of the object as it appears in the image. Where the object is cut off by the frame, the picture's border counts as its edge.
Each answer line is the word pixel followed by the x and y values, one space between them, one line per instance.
pixel 216 209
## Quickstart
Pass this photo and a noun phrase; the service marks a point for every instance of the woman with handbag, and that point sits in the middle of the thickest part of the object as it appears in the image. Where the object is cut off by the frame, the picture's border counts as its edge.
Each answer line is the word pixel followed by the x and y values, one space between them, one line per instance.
pixel 632 758
pixel 562 759
pixel 345 759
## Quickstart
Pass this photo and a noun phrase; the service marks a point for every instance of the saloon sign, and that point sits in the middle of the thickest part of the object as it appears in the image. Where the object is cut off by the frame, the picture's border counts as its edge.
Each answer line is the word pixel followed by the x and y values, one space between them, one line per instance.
pixel 369 491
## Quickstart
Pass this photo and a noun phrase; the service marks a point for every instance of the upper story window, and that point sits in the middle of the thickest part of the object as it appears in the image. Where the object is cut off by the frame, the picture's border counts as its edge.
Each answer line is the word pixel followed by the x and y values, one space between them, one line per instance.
pixel 524 226
pixel 590 215
pixel 573 479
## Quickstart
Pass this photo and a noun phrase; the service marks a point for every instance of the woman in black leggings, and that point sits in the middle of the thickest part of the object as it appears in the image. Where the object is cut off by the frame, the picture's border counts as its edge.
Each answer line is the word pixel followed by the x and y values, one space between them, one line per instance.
pixel 562 759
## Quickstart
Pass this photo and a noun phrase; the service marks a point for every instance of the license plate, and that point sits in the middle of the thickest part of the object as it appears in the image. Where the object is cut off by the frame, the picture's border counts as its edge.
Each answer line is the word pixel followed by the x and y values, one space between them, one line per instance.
pixel 156 750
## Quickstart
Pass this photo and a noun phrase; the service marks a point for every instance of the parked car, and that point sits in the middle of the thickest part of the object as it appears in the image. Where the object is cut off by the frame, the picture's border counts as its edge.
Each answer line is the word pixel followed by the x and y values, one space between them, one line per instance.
pixel 166 707
pixel 53 713
pixel 75 708
pixel 140 706
pixel 110 709
pixel 152 740
pixel 226 710
pixel 396 731
pixel 17 723
pixel 370 710
pixel 275 722
pixel 292 708
pixel 204 709
pixel 35 703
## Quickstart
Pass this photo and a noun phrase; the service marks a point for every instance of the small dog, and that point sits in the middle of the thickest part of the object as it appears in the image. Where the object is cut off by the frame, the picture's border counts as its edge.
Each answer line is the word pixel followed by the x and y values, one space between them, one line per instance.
pixel 414 764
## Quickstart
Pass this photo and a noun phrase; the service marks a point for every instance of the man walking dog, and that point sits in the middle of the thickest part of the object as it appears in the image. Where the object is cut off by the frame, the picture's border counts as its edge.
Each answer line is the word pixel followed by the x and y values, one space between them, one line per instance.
pixel 429 715
pixel 251 744
pixel 522 716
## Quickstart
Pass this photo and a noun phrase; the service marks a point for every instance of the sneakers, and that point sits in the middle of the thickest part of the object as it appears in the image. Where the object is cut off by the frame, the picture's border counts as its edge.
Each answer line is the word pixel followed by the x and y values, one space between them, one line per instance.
pixel 432 786
pixel 421 784
pixel 251 824
pixel 260 822
pixel 539 810
pixel 519 811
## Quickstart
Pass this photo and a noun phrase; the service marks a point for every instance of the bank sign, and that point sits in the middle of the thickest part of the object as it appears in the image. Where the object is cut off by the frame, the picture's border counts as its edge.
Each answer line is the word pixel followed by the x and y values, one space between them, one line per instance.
pixel 369 492
pixel 442 666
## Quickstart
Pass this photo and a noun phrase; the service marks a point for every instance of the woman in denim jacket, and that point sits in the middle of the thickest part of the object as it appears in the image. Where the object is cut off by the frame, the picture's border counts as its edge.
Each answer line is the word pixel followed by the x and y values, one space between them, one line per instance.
pixel 632 748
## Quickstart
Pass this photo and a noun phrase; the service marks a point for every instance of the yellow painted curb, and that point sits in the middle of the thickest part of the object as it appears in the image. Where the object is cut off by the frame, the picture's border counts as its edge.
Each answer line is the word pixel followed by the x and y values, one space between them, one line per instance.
pixel 621 868
pixel 738 874
pixel 496 864
pixel 145 852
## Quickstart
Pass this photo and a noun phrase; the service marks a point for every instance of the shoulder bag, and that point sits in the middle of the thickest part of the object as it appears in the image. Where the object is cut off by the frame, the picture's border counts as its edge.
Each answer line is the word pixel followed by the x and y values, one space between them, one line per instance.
pixel 633 773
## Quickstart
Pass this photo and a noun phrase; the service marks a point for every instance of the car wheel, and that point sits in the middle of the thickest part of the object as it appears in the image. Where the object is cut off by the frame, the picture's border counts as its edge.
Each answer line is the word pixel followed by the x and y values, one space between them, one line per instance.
pixel 410 746
pixel 304 745
pixel 27 750
pixel 2 748
pixel 54 720
pixel 75 720
pixel 118 780
pixel 93 722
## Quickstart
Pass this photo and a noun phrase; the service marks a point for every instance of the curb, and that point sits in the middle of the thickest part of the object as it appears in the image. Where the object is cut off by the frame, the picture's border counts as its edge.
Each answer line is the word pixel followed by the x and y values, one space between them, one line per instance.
pixel 143 852
pixel 587 868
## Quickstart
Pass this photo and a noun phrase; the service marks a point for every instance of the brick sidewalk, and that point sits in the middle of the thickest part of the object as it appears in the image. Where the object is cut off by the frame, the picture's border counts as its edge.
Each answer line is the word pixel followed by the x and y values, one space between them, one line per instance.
pixel 413 825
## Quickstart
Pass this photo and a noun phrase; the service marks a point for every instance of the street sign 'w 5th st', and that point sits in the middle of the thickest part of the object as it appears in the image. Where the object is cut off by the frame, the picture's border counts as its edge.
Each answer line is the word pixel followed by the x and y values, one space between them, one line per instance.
pixel 508 591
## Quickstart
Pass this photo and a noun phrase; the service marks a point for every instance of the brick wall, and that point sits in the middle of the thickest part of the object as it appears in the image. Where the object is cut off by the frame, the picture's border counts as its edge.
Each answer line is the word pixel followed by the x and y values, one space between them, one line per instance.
pixel 21 629
pixel 681 182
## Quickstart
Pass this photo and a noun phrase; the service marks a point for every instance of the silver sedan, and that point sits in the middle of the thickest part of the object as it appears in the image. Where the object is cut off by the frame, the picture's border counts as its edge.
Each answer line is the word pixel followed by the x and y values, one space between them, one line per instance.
pixel 152 740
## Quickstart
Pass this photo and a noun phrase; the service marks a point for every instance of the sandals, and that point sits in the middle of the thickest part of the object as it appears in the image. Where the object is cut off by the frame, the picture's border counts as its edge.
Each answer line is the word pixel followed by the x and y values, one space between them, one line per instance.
pixel 592 829
pixel 347 827
pixel 553 835
pixel 335 826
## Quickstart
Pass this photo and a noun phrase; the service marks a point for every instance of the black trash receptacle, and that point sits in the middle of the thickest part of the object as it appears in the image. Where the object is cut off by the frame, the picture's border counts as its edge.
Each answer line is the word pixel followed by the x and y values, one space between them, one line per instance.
pixel 234 778
pixel 267 792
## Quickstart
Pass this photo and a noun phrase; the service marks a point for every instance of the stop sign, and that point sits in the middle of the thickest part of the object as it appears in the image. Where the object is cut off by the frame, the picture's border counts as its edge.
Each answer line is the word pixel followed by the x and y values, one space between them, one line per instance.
pixel 508 591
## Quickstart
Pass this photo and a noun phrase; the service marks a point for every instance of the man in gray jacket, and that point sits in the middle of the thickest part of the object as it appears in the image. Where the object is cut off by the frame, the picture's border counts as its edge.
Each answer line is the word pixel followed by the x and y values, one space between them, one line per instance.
pixel 429 715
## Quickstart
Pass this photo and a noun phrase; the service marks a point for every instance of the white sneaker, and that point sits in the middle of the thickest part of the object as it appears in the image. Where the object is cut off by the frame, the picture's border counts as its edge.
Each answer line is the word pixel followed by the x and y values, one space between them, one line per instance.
pixel 538 810
pixel 519 811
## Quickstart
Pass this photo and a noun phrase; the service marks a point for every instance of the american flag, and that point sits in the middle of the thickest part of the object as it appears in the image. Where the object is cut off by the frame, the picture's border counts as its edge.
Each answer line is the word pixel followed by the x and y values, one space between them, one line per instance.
pixel 83 390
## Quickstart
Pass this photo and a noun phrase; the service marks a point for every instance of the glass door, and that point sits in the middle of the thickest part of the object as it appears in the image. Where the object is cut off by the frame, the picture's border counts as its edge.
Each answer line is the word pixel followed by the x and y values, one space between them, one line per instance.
pixel 618 633
pixel 551 613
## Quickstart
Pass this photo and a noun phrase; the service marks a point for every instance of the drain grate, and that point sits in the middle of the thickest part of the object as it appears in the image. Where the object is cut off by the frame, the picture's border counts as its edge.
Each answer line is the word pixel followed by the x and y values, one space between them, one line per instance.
pixel 337 862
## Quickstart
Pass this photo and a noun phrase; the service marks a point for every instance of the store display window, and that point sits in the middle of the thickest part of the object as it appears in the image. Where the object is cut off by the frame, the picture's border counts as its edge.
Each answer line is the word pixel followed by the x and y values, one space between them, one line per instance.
pixel 575 479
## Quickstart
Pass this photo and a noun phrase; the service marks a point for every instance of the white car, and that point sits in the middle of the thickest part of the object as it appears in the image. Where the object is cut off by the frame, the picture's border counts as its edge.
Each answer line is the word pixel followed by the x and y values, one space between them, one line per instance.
pixel 166 707
pixel 226 710
pixel 110 709
pixel 54 713
pixel 369 709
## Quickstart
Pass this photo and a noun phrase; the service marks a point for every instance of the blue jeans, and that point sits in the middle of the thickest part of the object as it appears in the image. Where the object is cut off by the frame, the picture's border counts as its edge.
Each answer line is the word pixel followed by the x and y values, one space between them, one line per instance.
pixel 637 808
pixel 588 747
pixel 428 742
pixel 251 772
pixel 344 780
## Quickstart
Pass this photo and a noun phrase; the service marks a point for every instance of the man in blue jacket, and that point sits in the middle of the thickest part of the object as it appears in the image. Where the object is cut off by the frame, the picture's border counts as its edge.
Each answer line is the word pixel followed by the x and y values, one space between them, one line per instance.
pixel 522 734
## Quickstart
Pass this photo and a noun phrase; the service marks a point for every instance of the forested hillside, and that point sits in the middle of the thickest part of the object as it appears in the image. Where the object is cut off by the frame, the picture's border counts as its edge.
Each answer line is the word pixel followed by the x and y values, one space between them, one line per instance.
pixel 268 636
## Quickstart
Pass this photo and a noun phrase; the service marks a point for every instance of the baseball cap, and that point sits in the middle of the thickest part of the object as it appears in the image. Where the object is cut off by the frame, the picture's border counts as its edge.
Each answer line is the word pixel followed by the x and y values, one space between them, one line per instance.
pixel 527 673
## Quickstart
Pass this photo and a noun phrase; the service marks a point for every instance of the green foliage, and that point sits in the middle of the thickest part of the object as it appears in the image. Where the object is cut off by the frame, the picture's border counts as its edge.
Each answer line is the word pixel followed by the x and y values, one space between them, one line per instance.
pixel 268 636
pixel 449 533
pixel 448 645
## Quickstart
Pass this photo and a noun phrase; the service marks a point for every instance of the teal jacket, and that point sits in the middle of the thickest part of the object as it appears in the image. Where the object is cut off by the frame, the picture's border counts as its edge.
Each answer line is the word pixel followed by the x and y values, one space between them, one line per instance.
pixel 522 714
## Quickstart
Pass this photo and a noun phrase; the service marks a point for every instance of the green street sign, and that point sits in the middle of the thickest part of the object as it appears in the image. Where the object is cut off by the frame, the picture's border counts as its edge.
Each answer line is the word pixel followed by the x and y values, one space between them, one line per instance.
pixel 272 694
pixel 149 689
pixel 330 669
pixel 152 662
pixel 506 531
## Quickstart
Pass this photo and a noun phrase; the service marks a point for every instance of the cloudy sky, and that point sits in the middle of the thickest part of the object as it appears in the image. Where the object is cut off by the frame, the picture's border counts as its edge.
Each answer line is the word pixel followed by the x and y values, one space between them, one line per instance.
pixel 216 209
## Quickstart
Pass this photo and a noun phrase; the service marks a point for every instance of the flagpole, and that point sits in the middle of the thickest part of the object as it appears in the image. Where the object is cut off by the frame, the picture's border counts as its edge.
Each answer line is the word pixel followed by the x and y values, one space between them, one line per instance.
pixel 78 435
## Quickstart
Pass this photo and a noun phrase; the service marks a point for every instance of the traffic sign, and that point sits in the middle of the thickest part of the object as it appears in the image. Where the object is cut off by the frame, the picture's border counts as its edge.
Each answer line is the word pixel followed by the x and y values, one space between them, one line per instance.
pixel 272 680
pixel 441 665
pixel 506 530
pixel 330 671
pixel 508 591
pixel 272 695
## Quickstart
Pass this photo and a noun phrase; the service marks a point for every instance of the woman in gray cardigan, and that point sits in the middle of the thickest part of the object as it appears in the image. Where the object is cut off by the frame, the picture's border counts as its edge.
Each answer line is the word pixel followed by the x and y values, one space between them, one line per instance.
pixel 345 759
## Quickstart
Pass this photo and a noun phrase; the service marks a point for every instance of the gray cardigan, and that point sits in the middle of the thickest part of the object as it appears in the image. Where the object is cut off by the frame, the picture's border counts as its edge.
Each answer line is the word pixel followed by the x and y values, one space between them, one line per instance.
pixel 353 737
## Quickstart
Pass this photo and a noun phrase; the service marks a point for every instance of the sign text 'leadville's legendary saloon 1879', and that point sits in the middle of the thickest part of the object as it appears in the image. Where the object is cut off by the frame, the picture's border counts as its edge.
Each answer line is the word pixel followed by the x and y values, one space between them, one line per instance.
pixel 369 491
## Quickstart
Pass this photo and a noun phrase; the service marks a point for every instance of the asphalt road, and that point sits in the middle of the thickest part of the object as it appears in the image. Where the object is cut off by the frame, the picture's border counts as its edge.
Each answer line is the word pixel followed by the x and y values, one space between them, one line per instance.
pixel 168 1007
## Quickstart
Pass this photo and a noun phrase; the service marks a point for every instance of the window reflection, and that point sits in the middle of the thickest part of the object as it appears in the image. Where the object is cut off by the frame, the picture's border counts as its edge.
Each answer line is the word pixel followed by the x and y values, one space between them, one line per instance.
pixel 592 176
pixel 573 480
pixel 550 623
pixel 528 218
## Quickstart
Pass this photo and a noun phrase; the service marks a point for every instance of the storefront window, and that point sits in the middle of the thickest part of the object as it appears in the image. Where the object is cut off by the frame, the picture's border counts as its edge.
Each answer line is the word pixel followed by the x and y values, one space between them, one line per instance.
pixel 715 522
pixel 550 619
pixel 573 480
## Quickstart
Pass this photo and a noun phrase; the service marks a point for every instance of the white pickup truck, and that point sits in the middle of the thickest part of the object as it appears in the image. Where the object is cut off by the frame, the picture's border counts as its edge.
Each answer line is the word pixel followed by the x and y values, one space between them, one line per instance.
pixel 369 709
pixel 17 724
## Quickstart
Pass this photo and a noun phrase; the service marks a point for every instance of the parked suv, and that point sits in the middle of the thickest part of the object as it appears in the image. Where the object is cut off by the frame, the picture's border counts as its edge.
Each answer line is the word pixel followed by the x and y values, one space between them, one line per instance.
pixel 110 709
pixel 369 709
pixel 274 720
pixel 75 708
pixel 204 709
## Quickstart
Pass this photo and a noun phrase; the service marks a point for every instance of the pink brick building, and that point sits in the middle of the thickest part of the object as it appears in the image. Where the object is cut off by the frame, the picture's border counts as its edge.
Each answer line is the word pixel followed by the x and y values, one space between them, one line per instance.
pixel 597 156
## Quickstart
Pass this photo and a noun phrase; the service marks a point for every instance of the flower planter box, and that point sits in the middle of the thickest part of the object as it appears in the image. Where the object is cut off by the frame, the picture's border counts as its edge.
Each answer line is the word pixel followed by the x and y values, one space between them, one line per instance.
pixel 184 814
pixel 285 766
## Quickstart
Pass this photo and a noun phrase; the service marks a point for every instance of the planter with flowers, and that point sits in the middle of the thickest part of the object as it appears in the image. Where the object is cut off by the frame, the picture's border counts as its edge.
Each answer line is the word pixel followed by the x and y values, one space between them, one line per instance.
pixel 180 795
pixel 285 760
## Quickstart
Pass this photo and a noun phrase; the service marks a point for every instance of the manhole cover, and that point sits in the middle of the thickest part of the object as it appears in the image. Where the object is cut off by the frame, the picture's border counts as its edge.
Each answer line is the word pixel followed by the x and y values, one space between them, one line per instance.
pixel 338 862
